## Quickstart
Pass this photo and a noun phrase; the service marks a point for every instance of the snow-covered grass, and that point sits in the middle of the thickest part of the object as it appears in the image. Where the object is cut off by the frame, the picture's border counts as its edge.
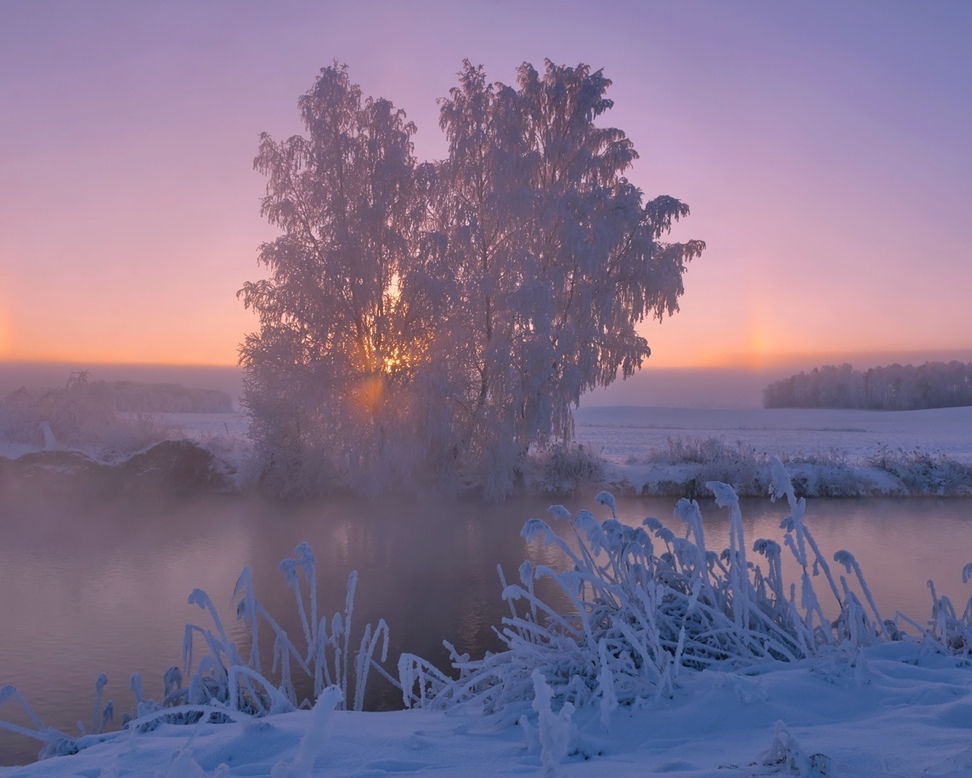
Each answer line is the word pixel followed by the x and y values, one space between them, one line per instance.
pixel 658 451
pixel 672 658
pixel 839 453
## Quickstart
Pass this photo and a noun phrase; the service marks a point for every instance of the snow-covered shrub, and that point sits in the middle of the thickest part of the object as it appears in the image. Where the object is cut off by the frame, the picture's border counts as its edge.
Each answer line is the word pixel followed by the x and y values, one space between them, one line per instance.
pixel 78 414
pixel 947 627
pixel 687 463
pixel 554 729
pixel 311 744
pixel 921 472
pixel 714 459
pixel 785 757
pixel 747 470
pixel 648 604
pixel 55 741
pixel 708 450
pixel 67 414
pixel 565 467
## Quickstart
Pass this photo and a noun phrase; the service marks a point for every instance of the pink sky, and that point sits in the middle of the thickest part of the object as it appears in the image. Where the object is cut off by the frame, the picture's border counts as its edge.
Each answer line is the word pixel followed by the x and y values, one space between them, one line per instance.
pixel 823 149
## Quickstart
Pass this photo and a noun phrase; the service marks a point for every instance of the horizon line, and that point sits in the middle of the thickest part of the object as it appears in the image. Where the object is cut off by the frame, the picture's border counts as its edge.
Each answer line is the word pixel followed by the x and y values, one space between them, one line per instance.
pixel 736 361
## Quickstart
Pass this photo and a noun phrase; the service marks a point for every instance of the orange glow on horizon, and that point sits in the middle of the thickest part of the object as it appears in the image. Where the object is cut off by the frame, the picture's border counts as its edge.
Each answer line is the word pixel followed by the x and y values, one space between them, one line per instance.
pixel 5 336
pixel 107 357
pixel 153 338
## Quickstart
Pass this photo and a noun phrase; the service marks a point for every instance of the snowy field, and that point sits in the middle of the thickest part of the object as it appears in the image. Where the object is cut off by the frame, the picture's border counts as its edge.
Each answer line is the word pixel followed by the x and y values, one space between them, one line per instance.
pixel 841 453
pixel 651 450
pixel 622 434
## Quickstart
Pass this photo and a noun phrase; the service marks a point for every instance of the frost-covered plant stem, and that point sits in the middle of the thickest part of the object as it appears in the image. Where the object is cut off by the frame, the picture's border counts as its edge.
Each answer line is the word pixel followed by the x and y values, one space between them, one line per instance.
pixel 636 617
pixel 41 731
pixel 221 686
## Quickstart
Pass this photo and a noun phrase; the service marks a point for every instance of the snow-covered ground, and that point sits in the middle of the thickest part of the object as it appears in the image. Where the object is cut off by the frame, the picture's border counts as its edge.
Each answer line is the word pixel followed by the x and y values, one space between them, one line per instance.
pixel 623 433
pixel 893 710
pixel 223 434
pixel 229 429
pixel 830 452
pixel 667 450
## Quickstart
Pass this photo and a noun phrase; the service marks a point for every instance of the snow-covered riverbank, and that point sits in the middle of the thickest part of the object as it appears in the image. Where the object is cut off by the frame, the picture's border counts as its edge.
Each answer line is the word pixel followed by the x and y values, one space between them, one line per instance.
pixel 674 451
pixel 894 710
pixel 836 453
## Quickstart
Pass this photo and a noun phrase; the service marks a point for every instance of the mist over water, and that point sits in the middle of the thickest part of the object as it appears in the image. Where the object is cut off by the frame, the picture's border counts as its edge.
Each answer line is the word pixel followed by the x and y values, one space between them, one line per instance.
pixel 92 583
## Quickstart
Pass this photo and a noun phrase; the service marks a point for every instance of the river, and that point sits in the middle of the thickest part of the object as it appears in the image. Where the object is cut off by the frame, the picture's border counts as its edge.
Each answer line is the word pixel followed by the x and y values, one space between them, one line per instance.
pixel 93 584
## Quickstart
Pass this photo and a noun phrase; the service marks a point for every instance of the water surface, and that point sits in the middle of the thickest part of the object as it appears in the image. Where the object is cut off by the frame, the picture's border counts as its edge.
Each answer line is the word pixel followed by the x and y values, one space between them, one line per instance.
pixel 96 584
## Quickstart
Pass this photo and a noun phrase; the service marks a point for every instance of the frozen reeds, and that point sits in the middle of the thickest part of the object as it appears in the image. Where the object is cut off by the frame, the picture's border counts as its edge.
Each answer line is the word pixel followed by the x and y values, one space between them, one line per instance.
pixel 325 656
pixel 648 604
pixel 222 685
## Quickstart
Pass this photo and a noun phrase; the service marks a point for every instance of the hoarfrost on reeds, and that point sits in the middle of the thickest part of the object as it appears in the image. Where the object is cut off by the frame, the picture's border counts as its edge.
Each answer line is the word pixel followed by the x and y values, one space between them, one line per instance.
pixel 221 685
pixel 921 472
pixel 649 604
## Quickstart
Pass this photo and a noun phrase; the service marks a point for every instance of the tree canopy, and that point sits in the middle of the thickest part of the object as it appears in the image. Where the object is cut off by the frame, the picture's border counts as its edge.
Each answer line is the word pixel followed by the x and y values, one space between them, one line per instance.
pixel 436 320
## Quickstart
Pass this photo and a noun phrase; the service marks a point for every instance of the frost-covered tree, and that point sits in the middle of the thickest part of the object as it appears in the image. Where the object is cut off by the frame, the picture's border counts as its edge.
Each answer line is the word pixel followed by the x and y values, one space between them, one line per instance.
pixel 340 336
pixel 556 256
pixel 446 317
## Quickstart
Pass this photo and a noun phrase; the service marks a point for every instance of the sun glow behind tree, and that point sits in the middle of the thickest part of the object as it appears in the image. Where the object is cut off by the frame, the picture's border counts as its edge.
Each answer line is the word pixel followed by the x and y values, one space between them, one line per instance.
pixel 433 321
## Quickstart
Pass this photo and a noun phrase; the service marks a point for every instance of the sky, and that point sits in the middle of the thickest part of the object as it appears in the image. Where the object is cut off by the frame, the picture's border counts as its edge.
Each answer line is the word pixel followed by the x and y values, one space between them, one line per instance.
pixel 823 149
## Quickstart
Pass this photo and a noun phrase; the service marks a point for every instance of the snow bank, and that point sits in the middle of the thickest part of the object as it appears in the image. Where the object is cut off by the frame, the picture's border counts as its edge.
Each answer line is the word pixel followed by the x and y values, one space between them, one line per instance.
pixel 177 451
pixel 898 709
pixel 675 451
pixel 829 453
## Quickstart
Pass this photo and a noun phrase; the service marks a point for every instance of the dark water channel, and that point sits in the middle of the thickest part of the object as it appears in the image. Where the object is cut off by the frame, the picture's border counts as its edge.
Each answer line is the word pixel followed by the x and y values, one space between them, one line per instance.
pixel 91 585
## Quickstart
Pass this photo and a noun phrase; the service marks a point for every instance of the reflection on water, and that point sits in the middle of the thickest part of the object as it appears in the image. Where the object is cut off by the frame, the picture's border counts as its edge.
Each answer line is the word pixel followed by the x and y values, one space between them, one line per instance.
pixel 100 585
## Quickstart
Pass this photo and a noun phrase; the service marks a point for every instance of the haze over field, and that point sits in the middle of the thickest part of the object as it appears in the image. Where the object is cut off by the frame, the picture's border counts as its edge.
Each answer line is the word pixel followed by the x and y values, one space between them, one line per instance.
pixel 698 387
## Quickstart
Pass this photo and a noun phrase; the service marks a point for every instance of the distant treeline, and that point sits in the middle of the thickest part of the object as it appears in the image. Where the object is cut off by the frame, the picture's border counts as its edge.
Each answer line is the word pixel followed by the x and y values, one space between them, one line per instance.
pixel 122 396
pixel 890 388
pixel 160 398
pixel 84 412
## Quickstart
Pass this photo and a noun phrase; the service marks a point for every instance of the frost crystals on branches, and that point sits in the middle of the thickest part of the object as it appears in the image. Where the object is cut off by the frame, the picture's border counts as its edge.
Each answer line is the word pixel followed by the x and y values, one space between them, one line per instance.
pixel 437 320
